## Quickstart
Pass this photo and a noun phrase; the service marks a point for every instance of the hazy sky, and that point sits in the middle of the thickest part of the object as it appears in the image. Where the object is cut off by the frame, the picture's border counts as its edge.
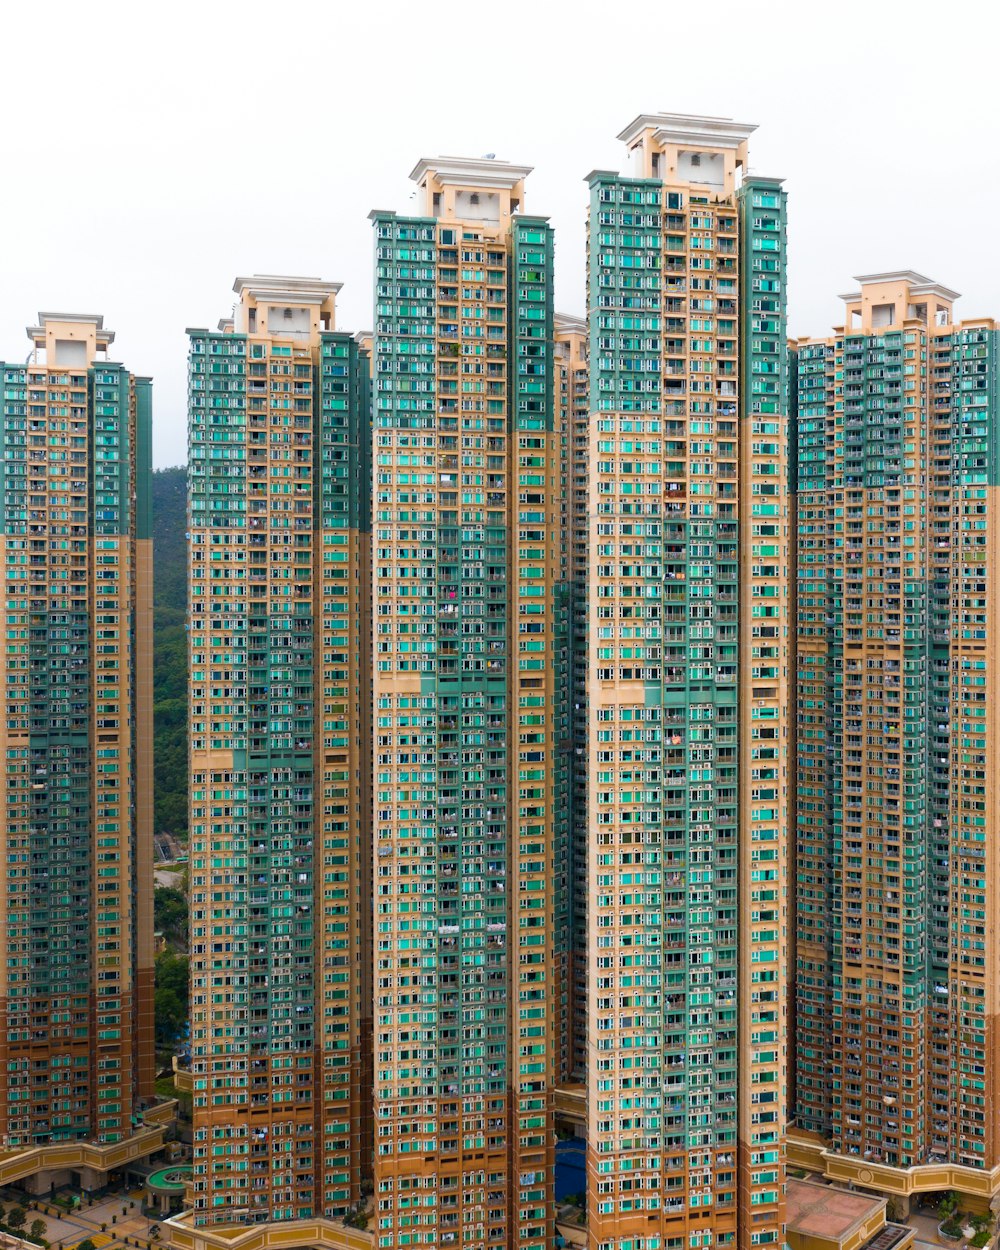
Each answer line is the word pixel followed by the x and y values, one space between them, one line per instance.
pixel 153 151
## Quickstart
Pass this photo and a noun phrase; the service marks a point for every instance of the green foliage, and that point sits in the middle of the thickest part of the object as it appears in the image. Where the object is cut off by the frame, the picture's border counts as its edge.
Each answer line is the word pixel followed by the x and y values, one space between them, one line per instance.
pixel 170 914
pixel 948 1203
pixel 17 1217
pixel 170 650
pixel 172 972
pixel 36 1233
pixel 87 1244
pixel 170 1016
pixel 24 1236
pixel 982 1238
pixel 171 998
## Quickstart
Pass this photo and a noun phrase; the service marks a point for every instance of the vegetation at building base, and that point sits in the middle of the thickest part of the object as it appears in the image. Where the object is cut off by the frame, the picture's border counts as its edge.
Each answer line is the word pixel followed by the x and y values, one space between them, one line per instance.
pixel 954 1221
pixel 170 916
pixel 983 1226
pixel 14 1222
pixel 951 1216
pixel 170 651
pixel 171 1001
pixel 170 738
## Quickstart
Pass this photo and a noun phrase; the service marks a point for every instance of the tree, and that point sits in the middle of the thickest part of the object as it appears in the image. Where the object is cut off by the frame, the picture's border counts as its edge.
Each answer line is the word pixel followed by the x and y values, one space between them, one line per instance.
pixel 172 973
pixel 171 999
pixel 17 1217
pixel 170 914
pixel 87 1244
pixel 170 1016
pixel 37 1230
pixel 951 1223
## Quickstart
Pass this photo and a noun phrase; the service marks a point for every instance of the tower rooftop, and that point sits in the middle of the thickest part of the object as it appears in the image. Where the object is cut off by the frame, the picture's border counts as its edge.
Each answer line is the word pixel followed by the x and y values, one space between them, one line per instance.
pixel 686 150
pixel 691 128
pixel 569 323
pixel 104 338
pixel 918 283
pixel 470 189
pixel 282 306
pixel 468 171
pixel 286 288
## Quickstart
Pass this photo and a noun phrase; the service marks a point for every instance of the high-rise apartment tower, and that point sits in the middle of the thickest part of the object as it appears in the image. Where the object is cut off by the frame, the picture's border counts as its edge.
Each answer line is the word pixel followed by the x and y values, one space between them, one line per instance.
pixel 76 974
pixel 280 726
pixel 896 1047
pixel 471 767
pixel 687 694
pixel 571 363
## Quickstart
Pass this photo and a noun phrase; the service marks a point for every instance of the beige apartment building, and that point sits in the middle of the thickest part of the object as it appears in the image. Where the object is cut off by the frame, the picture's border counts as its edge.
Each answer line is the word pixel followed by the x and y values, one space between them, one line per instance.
pixel 280 727
pixel 896 1045
pixel 574 393
pixel 688 694
pixel 76 973
pixel 471 770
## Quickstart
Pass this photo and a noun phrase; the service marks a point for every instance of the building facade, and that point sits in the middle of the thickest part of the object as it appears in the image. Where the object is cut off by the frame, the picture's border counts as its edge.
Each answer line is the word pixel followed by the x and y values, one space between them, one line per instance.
pixel 76 973
pixel 472 767
pixel 897 1042
pixel 280 727
pixel 571 361
pixel 689 733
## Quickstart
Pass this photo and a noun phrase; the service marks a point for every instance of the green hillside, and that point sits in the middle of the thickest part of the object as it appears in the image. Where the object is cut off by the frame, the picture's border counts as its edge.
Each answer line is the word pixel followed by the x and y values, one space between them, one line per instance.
pixel 170 651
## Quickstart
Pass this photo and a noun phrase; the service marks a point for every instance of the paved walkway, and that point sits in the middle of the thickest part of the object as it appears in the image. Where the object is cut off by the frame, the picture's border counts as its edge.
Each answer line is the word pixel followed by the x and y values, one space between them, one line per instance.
pixel 69 1228
pixel 928 1237
pixel 574 1235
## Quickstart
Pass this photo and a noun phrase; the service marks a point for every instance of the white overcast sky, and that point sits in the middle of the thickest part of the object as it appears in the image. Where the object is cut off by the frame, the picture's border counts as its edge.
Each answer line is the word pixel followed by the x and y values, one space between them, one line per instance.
pixel 153 151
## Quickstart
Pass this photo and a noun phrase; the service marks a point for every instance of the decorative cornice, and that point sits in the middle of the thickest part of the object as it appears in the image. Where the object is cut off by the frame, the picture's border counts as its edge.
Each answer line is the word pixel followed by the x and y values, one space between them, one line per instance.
pixel 713 132
pixel 918 283
pixel 280 288
pixel 104 337
pixel 470 172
